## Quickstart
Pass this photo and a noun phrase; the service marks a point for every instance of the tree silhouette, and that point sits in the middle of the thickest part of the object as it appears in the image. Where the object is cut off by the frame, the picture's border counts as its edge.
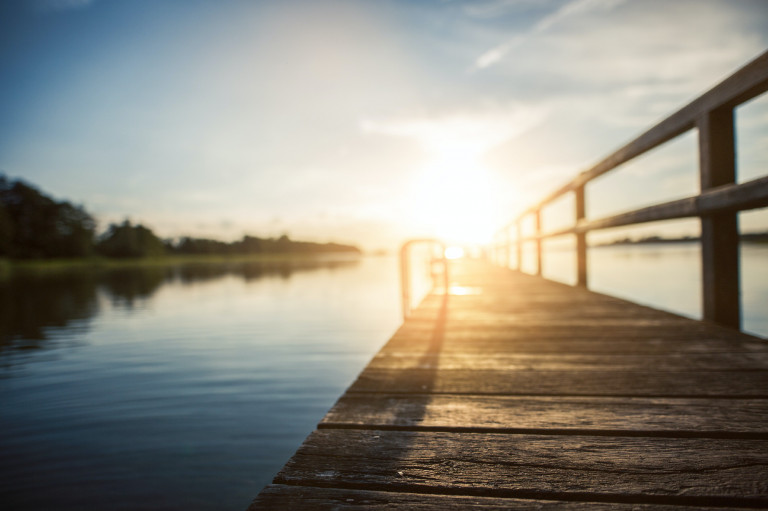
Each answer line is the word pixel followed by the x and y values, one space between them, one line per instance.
pixel 32 225
pixel 129 241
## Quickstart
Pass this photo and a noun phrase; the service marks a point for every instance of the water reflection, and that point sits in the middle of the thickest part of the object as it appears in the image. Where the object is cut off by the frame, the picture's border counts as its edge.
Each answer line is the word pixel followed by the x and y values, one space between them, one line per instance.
pixel 32 303
pixel 125 286
pixel 192 273
pixel 192 392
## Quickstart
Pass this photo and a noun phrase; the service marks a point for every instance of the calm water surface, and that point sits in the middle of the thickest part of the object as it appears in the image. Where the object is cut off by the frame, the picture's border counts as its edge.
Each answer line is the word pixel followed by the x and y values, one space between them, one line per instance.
pixel 189 387
pixel 177 388
pixel 666 276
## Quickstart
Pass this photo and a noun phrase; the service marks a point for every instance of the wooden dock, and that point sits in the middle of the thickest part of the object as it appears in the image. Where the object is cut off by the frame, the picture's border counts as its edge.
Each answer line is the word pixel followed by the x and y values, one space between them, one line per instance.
pixel 514 392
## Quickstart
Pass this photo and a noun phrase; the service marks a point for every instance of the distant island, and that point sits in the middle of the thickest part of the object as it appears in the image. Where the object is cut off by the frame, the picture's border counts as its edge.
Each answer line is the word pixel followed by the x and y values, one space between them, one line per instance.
pixel 754 237
pixel 33 226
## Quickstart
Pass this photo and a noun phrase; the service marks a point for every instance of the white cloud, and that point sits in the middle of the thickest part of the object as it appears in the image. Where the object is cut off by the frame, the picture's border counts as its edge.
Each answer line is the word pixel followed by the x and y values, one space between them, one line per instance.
pixel 478 131
pixel 571 9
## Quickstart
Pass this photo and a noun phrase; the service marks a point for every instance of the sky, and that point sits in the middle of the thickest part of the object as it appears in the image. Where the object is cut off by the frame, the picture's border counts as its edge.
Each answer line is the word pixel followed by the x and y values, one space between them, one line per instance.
pixel 366 122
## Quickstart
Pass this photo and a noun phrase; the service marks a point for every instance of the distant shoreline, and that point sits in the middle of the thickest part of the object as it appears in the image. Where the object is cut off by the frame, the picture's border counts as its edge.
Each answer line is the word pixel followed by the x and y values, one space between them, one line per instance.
pixel 8 266
pixel 756 237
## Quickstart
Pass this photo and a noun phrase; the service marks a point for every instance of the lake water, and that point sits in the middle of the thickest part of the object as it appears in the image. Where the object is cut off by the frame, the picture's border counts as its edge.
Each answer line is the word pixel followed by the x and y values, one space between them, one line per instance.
pixel 665 276
pixel 189 387
pixel 177 388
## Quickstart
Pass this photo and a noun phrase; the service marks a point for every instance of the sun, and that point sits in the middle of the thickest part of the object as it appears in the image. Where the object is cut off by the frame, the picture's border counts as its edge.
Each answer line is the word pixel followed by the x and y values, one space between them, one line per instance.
pixel 453 196
pixel 454 252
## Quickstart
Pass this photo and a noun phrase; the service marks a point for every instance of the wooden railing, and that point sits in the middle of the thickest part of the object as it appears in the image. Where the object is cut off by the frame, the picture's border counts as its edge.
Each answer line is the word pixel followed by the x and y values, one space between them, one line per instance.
pixel 717 205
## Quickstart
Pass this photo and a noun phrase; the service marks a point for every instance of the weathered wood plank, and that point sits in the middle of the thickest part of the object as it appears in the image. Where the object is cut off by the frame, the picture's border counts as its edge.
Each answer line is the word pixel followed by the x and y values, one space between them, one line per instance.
pixel 547 392
pixel 571 362
pixel 479 292
pixel 585 332
pixel 531 320
pixel 531 317
pixel 547 314
pixel 558 415
pixel 480 342
pixel 534 330
pixel 749 195
pixel 298 498
pixel 743 196
pixel 549 383
pixel 654 470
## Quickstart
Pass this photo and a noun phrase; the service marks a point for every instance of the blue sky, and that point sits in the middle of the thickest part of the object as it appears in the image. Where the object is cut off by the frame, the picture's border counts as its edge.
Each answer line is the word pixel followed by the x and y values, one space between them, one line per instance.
pixel 356 121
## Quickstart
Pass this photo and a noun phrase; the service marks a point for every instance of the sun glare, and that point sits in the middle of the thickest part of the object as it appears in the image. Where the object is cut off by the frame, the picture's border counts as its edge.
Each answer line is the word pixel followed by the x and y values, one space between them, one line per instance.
pixel 453 197
pixel 454 253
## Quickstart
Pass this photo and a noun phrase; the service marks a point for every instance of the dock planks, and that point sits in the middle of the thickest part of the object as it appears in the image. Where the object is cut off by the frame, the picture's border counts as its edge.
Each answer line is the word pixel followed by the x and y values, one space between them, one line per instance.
pixel 513 392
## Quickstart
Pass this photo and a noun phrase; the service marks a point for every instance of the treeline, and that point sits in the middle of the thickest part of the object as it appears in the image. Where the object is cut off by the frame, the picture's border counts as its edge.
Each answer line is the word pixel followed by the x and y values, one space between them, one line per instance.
pixel 254 245
pixel 32 225
pixel 754 237
pixel 35 226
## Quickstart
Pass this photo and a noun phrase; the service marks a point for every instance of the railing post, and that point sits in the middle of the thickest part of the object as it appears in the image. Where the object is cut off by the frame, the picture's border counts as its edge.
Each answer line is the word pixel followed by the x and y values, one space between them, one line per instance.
pixel 519 244
pixel 405 270
pixel 581 240
pixel 538 242
pixel 507 247
pixel 405 280
pixel 719 232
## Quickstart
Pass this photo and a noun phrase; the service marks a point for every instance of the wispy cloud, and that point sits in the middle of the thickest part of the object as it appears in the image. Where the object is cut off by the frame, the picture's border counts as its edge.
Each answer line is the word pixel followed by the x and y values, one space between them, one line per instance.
pixel 478 131
pixel 569 10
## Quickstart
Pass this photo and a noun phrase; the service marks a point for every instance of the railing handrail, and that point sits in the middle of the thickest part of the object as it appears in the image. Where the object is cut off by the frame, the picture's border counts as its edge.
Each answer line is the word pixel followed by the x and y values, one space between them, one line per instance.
pixel 737 197
pixel 747 83
pixel 717 205
pixel 405 269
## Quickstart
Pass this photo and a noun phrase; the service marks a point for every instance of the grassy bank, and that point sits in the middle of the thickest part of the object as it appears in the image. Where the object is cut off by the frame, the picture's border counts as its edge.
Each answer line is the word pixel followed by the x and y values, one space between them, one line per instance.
pixel 8 267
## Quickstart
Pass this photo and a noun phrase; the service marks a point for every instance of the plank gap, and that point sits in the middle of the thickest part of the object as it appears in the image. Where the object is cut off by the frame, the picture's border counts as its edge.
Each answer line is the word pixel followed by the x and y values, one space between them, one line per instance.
pixel 537 495
pixel 533 394
pixel 731 435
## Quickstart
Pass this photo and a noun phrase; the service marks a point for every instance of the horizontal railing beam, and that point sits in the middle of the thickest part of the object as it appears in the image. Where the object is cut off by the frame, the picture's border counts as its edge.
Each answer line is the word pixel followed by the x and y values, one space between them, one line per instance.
pixel 716 207
pixel 736 197
pixel 745 84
